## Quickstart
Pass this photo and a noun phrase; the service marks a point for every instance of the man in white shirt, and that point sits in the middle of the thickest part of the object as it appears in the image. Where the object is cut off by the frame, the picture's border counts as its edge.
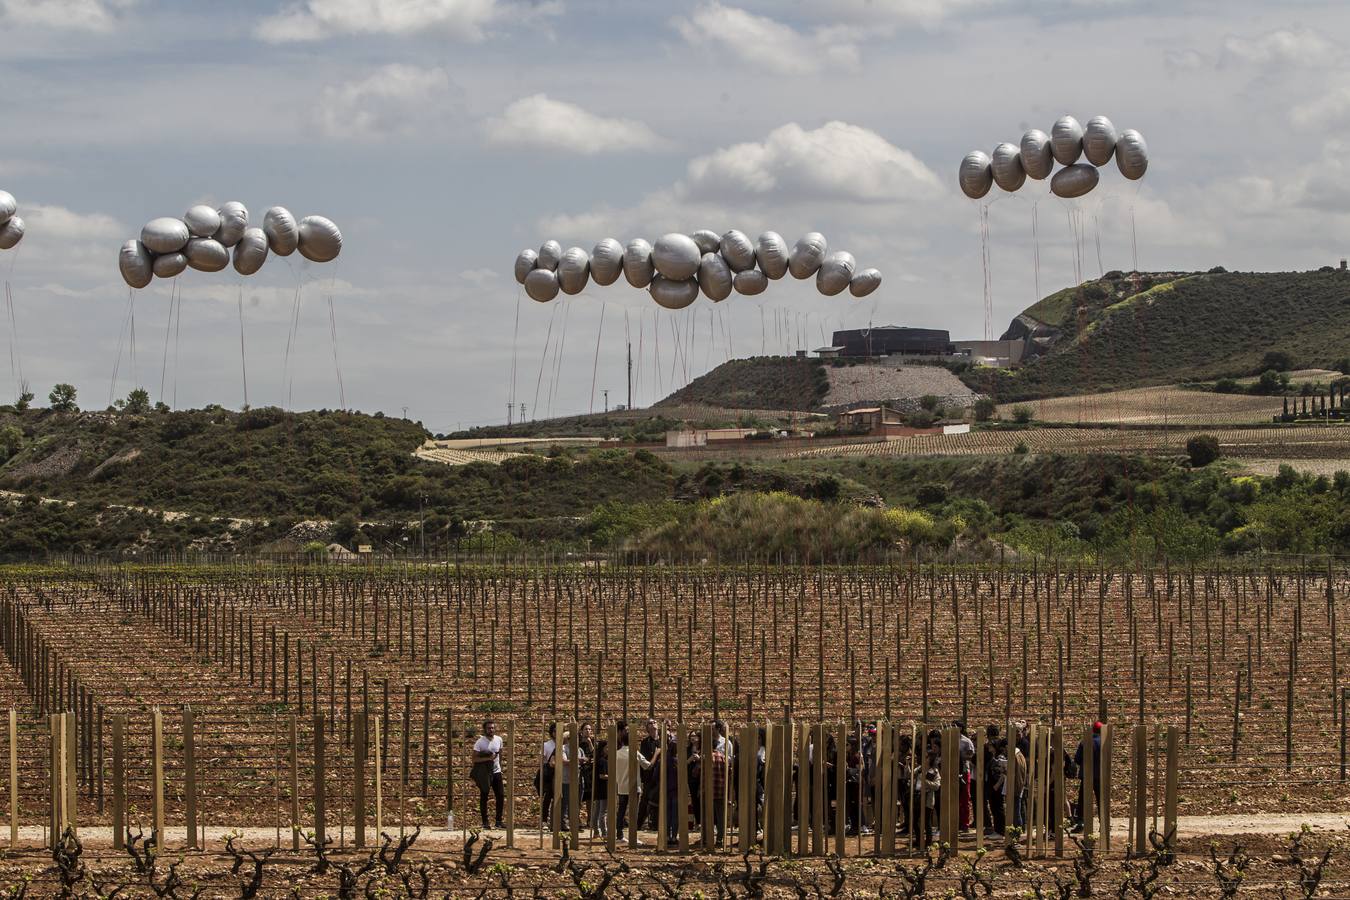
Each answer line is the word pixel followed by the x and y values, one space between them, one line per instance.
pixel 487 760
pixel 625 758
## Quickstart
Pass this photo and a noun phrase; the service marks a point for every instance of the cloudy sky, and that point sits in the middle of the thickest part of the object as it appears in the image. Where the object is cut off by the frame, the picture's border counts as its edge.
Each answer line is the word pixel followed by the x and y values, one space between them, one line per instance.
pixel 445 135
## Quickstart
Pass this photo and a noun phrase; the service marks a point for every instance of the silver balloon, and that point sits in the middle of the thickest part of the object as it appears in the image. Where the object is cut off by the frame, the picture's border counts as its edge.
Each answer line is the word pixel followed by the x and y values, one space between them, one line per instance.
pixel 750 282
pixel 574 271
pixel 1132 154
pixel 738 251
pixel 637 263
pixel 864 282
pixel 807 255
pixel 169 264
pixel 550 254
pixel 714 277
pixel 1074 181
pixel 673 294
pixel 11 233
pixel 1037 160
pixel 134 263
pixel 835 273
pixel 1066 140
pixel 526 260
pixel 708 240
pixel 976 174
pixel 8 206
pixel 319 239
pixel 1006 166
pixel 206 255
pixel 165 235
pixel 202 221
pixel 1099 140
pixel 251 251
pixel 606 262
pixel 541 285
pixel 771 252
pixel 233 221
pixel 676 256
pixel 283 235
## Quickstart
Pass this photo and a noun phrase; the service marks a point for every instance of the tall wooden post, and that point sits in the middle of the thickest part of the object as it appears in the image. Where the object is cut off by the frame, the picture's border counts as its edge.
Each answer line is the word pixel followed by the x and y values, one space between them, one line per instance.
pixel 510 783
pixel 14 781
pixel 119 810
pixel 320 792
pixel 360 750
pixel 190 775
pixel 157 758
pixel 295 784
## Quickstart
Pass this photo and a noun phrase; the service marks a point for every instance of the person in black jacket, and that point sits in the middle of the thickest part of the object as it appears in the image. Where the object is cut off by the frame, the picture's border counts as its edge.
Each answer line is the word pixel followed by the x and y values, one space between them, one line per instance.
pixel 1096 775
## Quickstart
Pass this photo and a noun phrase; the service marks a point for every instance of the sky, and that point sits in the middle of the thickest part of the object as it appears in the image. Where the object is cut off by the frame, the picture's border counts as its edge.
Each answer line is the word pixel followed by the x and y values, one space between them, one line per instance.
pixel 444 136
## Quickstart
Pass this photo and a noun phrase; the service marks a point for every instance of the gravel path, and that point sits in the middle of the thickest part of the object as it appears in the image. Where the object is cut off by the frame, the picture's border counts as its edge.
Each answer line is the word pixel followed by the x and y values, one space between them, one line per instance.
pixel 900 386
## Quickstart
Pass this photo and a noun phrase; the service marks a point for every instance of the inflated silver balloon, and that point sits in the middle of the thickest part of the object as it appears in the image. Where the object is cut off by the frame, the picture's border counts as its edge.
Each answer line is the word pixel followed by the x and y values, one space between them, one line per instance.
pixel 165 235
pixel 8 206
pixel 1037 160
pixel 202 221
pixel 1131 154
pixel 169 265
pixel 206 254
pixel 976 174
pixel 1099 140
pixel 550 254
pixel 835 273
pixel 864 282
pixel 1006 166
pixel 526 260
pixel 541 285
pixel 283 235
pixel 637 263
pixel 807 255
pixel 11 233
pixel 319 239
pixel 676 256
pixel 673 294
pixel 708 240
pixel 771 252
pixel 251 251
pixel 233 221
pixel 606 262
pixel 737 250
pixel 750 282
pixel 574 271
pixel 714 277
pixel 133 261
pixel 1074 181
pixel 1066 140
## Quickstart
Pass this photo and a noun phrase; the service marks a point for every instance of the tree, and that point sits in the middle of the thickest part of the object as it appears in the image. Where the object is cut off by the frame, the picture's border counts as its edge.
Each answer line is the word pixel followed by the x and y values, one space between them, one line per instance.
pixel 25 398
pixel 1202 449
pixel 929 402
pixel 10 440
pixel 137 402
pixel 1268 383
pixel 62 398
pixel 984 409
pixel 1278 360
pixel 1021 414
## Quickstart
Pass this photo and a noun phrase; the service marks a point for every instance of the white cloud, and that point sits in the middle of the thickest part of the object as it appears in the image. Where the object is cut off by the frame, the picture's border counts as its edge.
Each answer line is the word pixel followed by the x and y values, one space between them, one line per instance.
pixel 768 44
pixel 1281 47
pixel 1327 111
pixel 541 122
pixel 310 20
pixel 80 244
pixel 394 100
pixel 75 15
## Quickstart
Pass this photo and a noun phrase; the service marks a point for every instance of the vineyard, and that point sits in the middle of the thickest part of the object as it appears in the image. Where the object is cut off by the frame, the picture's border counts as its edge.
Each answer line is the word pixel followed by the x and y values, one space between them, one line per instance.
pixel 1153 406
pixel 264 680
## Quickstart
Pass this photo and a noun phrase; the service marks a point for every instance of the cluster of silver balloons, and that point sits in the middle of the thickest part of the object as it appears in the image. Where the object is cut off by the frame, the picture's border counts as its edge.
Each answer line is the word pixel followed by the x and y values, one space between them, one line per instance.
pixel 1098 141
pixel 204 237
pixel 678 266
pixel 11 226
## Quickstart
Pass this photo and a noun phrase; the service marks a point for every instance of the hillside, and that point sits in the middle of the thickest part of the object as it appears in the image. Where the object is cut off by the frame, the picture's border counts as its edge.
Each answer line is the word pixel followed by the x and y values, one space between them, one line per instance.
pixel 1140 329
pixel 760 382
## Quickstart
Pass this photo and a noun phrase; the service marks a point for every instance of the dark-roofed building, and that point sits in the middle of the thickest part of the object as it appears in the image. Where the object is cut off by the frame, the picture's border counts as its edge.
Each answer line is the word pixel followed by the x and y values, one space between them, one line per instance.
pixel 893 340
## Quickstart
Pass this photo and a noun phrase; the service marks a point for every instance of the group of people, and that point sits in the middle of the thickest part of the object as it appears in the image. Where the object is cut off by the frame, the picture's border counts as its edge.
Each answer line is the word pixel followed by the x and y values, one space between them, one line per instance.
pixel 918 786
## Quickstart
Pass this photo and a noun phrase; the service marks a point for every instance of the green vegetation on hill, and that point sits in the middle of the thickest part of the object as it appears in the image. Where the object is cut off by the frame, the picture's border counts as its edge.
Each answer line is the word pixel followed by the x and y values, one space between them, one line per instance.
pixel 1145 330
pixel 760 382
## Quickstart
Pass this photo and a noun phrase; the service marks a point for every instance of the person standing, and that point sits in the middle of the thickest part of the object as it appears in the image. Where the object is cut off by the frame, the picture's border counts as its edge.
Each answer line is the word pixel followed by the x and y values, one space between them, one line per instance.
pixel 966 753
pixel 487 771
pixel 599 787
pixel 650 775
pixel 625 760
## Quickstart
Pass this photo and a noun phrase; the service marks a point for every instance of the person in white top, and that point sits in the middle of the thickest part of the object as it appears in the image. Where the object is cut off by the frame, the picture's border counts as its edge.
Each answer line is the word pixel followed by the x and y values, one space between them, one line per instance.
pixel 624 760
pixel 487 760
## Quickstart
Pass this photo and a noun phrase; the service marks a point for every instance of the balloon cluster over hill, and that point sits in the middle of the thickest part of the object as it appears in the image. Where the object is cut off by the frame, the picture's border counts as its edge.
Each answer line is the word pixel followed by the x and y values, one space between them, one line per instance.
pixel 1036 155
pixel 678 266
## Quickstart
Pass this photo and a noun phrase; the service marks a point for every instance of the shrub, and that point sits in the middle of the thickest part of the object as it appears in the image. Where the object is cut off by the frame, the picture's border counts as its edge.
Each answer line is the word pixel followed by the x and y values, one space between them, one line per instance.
pixel 1021 414
pixel 1277 360
pixel 921 419
pixel 1021 447
pixel 928 402
pixel 1202 449
pixel 984 409
pixel 1227 386
pixel 931 494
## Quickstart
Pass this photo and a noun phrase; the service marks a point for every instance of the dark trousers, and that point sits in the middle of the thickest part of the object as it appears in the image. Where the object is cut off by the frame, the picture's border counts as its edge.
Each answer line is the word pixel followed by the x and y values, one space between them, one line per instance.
pixel 622 817
pixel 647 808
pixel 498 792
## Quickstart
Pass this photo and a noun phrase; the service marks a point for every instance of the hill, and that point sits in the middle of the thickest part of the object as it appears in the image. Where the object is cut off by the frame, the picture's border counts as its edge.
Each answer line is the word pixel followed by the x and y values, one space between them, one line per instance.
pixel 1140 329
pixel 760 382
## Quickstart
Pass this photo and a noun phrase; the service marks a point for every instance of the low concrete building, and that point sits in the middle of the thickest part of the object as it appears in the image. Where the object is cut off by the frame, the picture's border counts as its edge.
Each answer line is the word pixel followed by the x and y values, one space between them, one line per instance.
pixel 999 354
pixel 701 437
